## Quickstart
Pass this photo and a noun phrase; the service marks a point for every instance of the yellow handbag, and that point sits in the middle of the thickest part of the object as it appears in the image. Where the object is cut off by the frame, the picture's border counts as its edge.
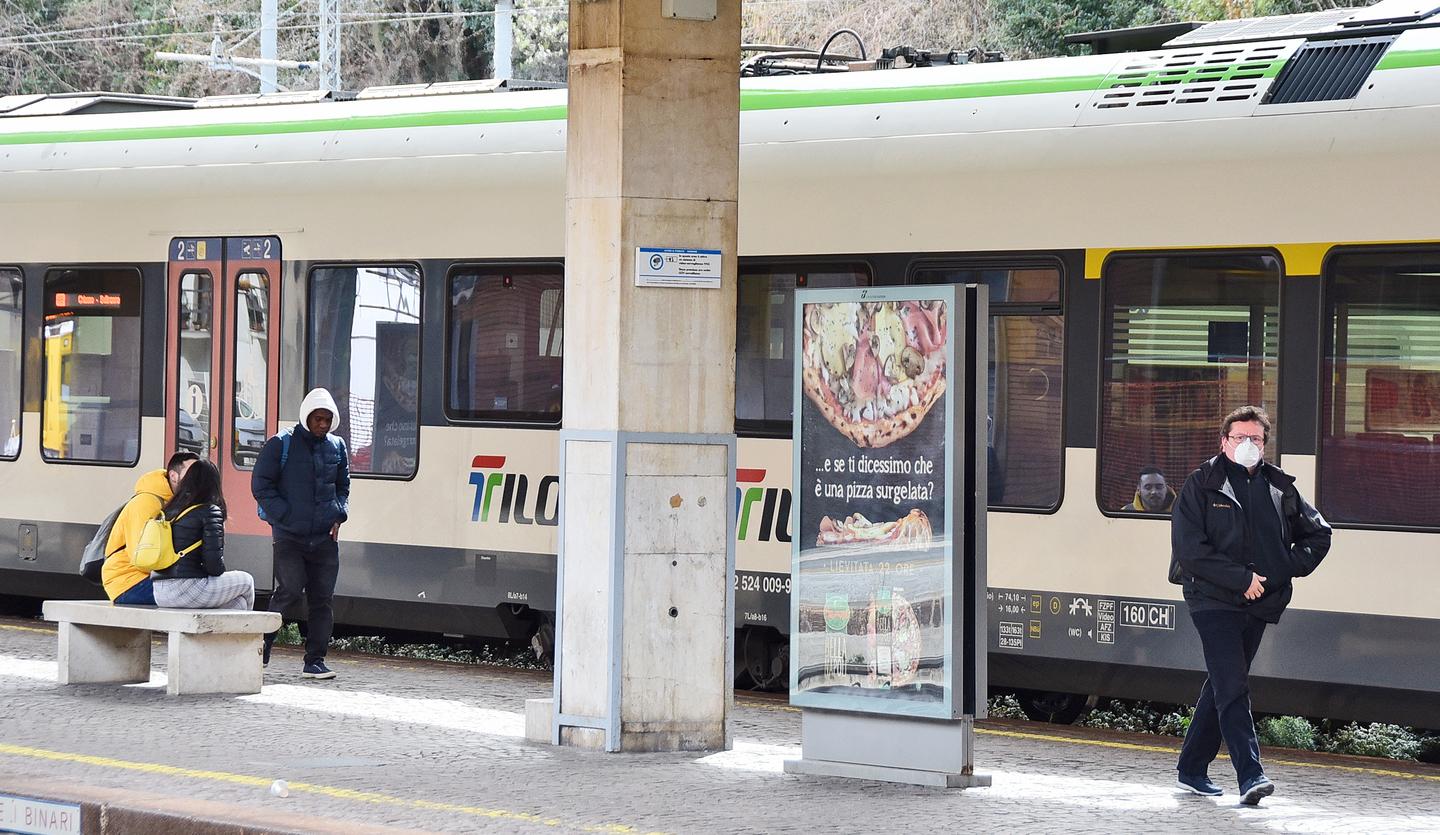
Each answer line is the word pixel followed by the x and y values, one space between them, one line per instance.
pixel 156 550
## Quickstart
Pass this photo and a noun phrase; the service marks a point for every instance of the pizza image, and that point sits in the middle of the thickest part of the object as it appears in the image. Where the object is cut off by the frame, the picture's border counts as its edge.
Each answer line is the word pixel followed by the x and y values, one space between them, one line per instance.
pixel 874 369
pixel 911 529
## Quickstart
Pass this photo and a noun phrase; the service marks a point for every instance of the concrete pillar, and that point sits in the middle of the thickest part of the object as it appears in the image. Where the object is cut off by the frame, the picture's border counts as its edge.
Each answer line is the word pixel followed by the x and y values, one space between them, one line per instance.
pixel 647 451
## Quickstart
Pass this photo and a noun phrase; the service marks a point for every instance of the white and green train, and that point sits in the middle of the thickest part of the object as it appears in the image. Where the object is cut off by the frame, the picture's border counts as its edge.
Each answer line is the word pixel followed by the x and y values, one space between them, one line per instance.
pixel 1249 213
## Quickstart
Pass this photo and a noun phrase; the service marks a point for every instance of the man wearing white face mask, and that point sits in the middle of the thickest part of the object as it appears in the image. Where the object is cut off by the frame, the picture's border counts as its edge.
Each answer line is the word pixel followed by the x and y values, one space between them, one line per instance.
pixel 1239 533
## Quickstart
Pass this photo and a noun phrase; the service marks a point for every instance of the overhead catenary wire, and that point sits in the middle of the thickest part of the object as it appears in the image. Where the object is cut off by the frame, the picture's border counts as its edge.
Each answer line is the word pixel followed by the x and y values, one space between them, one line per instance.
pixel 208 14
pixel 59 37
pixel 349 19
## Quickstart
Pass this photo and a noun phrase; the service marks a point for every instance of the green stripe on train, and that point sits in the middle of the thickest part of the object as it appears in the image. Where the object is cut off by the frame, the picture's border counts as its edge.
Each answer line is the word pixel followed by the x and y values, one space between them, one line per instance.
pixel 403 120
pixel 785 99
pixel 749 100
pixel 1409 59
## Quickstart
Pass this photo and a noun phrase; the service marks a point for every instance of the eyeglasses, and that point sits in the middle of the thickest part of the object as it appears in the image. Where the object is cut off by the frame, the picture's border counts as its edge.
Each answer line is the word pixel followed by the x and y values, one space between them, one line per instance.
pixel 1257 440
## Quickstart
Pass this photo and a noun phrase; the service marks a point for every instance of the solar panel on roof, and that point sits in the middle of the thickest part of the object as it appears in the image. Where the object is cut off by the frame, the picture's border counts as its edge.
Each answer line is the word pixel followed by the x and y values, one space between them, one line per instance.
pixel 1392 11
pixel 9 103
pixel 1266 28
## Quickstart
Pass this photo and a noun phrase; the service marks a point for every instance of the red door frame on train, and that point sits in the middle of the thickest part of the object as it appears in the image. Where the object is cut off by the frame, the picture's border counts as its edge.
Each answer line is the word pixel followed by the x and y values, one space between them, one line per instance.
pixel 235 268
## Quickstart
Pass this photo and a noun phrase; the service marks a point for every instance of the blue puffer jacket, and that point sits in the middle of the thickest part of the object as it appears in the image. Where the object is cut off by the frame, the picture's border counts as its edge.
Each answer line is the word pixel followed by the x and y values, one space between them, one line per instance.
pixel 312 493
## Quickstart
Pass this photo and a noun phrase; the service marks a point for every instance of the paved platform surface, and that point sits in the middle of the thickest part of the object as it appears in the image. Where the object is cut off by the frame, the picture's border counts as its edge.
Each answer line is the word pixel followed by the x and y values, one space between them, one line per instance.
pixel 439 747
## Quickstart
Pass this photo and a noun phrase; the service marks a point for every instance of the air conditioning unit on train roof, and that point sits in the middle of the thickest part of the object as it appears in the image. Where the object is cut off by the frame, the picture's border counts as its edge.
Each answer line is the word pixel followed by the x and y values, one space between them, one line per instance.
pixel 1133 39
pixel 291 97
pixel 64 104
pixel 443 88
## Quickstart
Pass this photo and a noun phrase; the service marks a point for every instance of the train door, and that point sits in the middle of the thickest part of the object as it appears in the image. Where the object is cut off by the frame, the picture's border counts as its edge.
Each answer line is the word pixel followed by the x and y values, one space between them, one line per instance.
pixel 222 381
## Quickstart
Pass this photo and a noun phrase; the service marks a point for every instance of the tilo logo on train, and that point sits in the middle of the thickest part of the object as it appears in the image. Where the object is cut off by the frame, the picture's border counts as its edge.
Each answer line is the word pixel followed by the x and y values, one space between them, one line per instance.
pixel 506 498
pixel 515 503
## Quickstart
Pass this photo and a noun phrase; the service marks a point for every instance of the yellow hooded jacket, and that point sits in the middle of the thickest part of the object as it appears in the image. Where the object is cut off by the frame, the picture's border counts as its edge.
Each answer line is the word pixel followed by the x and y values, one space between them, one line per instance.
pixel 152 491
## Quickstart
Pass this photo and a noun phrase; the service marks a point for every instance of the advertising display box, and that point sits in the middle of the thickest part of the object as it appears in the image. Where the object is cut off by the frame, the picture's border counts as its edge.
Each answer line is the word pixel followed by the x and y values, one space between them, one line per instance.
pixel 888 552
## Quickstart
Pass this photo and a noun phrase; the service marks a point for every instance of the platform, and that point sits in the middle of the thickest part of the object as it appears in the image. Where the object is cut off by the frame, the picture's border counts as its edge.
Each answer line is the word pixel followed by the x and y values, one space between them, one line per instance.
pixel 426 746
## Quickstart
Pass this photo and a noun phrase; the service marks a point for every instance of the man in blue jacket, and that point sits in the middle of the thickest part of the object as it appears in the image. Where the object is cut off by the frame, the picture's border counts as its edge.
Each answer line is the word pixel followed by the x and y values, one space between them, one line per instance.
pixel 302 484
pixel 1239 533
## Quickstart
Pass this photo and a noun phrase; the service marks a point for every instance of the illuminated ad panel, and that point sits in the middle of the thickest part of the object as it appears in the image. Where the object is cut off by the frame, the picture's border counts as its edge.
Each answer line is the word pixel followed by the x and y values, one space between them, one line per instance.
pixel 873 604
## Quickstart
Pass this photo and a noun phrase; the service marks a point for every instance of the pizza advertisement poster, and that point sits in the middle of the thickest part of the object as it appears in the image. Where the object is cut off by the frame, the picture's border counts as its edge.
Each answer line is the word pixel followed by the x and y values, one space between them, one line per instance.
pixel 872 576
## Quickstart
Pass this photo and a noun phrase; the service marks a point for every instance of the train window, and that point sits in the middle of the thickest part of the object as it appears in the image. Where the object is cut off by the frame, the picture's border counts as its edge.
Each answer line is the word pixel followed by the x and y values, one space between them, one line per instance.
pixel 505 343
pixel 1187 338
pixel 1027 349
pixel 764 331
pixel 12 323
pixel 1380 414
pixel 91 388
pixel 252 367
pixel 197 343
pixel 365 348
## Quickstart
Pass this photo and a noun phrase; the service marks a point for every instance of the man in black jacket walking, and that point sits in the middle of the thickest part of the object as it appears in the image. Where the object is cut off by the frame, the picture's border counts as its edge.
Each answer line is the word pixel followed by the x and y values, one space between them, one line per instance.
pixel 1239 533
pixel 302 484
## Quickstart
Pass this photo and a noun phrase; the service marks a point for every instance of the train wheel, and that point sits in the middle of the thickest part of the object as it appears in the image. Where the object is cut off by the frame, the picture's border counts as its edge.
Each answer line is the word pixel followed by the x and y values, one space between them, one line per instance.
pixel 742 674
pixel 1057 708
pixel 766 657
pixel 542 643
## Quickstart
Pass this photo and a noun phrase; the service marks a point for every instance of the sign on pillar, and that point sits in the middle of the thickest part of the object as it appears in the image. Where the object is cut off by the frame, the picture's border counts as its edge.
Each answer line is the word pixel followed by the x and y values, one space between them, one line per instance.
pixel 887 616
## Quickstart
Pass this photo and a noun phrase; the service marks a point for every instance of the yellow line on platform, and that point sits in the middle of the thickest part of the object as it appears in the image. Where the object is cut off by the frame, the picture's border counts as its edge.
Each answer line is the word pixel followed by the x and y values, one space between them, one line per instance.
pixel 1100 743
pixel 1154 749
pixel 311 788
pixel 1162 749
pixel 26 628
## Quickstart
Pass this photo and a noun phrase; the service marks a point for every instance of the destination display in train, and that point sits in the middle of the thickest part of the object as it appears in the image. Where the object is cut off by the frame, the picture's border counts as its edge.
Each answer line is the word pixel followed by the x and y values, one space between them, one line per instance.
pixel 873 597
pixel 88 301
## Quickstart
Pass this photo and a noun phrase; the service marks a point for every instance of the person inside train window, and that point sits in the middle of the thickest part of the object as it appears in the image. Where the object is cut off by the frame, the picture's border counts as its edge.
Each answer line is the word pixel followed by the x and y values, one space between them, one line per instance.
pixel 1239 533
pixel 198 580
pixel 1152 493
pixel 125 584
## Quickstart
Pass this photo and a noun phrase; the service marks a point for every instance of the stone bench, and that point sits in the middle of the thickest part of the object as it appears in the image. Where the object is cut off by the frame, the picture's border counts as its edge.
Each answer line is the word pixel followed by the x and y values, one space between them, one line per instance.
pixel 210 650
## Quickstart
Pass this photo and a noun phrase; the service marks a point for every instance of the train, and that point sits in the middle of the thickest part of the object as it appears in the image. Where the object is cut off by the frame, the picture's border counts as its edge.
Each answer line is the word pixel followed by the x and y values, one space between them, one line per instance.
pixel 1243 212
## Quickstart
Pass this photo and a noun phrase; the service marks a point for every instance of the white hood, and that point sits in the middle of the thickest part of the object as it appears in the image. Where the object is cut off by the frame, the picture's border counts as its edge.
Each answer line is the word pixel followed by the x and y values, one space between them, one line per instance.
pixel 319 399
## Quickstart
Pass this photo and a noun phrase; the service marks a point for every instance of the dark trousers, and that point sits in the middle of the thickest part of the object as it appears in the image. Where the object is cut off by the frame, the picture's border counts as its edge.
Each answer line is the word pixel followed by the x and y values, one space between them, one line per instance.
pixel 1230 640
pixel 140 594
pixel 309 568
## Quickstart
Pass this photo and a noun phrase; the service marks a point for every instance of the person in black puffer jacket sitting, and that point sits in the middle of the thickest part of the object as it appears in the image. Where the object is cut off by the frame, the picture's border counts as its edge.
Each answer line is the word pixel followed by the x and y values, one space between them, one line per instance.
pixel 198 580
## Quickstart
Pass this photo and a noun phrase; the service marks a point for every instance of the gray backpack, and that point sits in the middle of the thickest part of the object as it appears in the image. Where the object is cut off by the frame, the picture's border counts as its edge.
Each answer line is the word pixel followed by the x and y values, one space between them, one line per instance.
pixel 92 559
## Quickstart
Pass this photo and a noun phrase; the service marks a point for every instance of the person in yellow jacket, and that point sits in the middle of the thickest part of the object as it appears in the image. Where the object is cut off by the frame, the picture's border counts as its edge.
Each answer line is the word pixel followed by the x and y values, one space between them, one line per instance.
pixel 124 583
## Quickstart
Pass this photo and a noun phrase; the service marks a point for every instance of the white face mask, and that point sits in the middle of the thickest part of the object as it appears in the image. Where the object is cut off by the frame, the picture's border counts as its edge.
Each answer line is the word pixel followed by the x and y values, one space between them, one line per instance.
pixel 1247 454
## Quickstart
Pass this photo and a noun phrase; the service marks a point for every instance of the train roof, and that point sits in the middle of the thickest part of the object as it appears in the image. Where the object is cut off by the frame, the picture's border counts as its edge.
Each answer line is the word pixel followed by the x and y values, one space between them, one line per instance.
pixel 61 104
pixel 1381 58
pixel 1381 21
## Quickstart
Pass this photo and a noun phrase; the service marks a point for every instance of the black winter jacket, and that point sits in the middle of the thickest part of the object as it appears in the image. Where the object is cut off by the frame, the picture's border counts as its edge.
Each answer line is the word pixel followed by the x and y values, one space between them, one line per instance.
pixel 206 525
pixel 312 494
pixel 1207 541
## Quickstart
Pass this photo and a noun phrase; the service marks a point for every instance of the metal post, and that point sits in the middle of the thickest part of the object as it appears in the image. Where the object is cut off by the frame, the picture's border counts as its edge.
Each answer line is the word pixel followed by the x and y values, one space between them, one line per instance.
pixel 268 14
pixel 329 45
pixel 504 38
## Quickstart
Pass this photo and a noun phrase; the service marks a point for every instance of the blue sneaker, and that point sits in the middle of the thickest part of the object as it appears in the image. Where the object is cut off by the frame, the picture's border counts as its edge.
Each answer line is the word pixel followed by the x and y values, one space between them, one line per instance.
pixel 1255 790
pixel 1198 785
pixel 317 669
